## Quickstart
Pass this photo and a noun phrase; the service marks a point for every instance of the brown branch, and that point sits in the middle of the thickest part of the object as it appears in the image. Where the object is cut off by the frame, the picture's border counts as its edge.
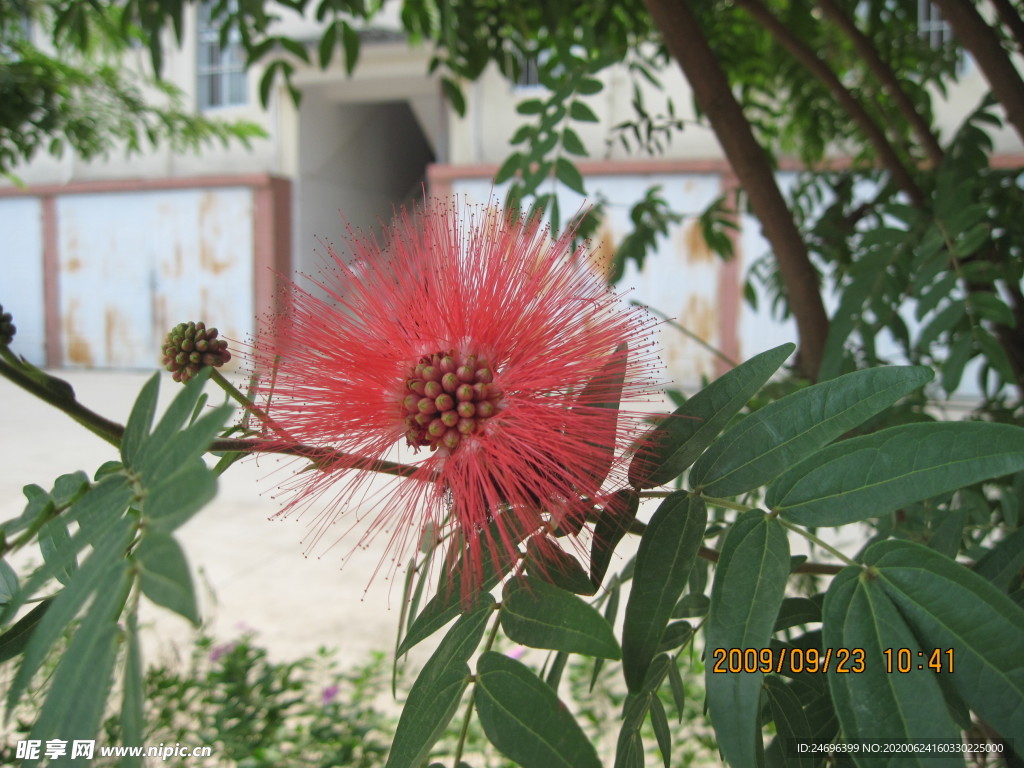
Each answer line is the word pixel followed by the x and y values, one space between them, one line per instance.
pixel 1009 16
pixel 986 47
pixel 51 390
pixel 817 67
pixel 322 457
pixel 688 45
pixel 887 77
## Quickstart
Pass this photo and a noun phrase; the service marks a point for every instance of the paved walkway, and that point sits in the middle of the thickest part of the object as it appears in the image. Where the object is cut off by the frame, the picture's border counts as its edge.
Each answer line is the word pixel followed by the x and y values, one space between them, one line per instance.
pixel 251 571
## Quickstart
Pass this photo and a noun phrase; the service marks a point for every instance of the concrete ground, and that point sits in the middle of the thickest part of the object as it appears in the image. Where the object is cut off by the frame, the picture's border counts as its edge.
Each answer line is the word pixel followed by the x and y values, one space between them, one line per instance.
pixel 251 572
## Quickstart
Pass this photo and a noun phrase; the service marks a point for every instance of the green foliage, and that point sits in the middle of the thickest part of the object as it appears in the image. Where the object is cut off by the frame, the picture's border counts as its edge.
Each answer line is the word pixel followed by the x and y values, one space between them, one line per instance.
pixel 897 594
pixel 84 98
pixel 121 549
pixel 932 269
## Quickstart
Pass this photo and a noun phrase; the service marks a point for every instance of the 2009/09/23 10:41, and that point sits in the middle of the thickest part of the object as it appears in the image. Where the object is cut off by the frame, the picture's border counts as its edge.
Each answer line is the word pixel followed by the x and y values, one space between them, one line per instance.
pixel 838 660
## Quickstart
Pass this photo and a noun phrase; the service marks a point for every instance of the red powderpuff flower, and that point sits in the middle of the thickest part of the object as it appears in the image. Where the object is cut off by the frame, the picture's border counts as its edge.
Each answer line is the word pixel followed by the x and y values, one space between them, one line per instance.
pixel 479 351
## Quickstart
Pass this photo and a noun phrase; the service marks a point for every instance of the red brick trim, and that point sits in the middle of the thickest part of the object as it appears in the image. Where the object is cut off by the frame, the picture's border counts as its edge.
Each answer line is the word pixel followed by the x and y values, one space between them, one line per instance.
pixel 51 282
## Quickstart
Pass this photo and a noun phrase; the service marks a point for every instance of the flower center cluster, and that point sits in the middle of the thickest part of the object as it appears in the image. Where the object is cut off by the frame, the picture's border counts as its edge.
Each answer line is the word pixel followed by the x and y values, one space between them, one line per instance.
pixel 448 397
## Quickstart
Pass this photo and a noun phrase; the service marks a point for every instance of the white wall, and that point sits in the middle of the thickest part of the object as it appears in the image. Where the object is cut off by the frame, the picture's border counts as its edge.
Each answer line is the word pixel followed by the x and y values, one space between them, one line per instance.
pixel 21 274
pixel 133 265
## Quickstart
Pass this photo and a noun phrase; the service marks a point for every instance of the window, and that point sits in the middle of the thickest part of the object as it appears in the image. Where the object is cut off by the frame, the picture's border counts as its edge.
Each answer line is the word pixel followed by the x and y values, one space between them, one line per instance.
pixel 529 73
pixel 938 33
pixel 220 71
pixel 931 26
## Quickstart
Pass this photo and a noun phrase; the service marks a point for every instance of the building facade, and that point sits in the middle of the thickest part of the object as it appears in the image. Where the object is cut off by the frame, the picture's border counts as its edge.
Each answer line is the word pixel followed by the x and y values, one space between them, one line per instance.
pixel 102 258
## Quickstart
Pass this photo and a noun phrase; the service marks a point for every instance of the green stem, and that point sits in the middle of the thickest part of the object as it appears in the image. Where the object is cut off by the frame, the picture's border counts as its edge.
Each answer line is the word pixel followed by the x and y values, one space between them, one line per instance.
pixel 249 406
pixel 719 502
pixel 811 537
pixel 464 731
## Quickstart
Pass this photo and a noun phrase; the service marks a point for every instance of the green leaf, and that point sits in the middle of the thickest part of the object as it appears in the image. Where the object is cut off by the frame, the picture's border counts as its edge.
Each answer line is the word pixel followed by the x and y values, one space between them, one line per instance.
pixel 183 447
pixel 790 719
pixel 14 640
pixel 267 82
pixel 691 606
pixel 438 689
pixel 508 168
pixel 663 562
pixel 164 574
pixel 447 603
pixel 174 418
pixel 453 92
pixel 675 443
pixel 659 721
pixel 784 433
pixel 9 582
pixel 629 751
pixel 1004 561
pixel 96 573
pixel 140 421
pixel 948 606
pixel 995 354
pixel 876 474
pixel 677 633
pixel 524 719
pixel 539 615
pixel 67 489
pixel 572 143
pixel 993 308
pixel 39 507
pixel 796 611
pixel 675 680
pixel 588 86
pixel 567 173
pixel 98 510
pixel 327 42
pixel 173 502
pixel 133 695
pixel 81 684
pixel 960 351
pixel 750 582
pixel 612 524
pixel 580 111
pixel 352 44
pixel 54 541
pixel 870 702
pixel 547 561
pixel 530 107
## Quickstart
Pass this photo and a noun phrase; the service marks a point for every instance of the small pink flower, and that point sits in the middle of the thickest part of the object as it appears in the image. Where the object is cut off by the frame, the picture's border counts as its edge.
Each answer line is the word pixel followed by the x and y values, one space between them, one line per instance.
pixel 221 650
pixel 486 346
pixel 329 694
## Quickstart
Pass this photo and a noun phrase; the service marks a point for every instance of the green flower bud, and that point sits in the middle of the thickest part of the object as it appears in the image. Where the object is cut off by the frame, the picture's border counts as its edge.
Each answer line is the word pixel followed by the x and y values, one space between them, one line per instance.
pixel 189 347
pixel 7 328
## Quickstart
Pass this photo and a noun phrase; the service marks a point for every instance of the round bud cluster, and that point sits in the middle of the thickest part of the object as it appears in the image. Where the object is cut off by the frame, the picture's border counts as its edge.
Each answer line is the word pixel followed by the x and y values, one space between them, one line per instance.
pixel 7 329
pixel 192 346
pixel 448 397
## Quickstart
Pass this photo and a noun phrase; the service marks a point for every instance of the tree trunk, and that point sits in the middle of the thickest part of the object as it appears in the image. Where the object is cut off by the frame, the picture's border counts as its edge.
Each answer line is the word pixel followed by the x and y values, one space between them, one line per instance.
pixel 686 42
pixel 813 63
pixel 985 46
pixel 1011 18
pixel 880 69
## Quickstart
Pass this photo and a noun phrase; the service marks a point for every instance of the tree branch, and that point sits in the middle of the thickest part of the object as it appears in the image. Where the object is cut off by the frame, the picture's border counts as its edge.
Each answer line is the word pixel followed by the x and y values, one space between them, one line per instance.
pixel 817 67
pixel 887 77
pixel 688 45
pixel 986 47
pixel 1011 18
